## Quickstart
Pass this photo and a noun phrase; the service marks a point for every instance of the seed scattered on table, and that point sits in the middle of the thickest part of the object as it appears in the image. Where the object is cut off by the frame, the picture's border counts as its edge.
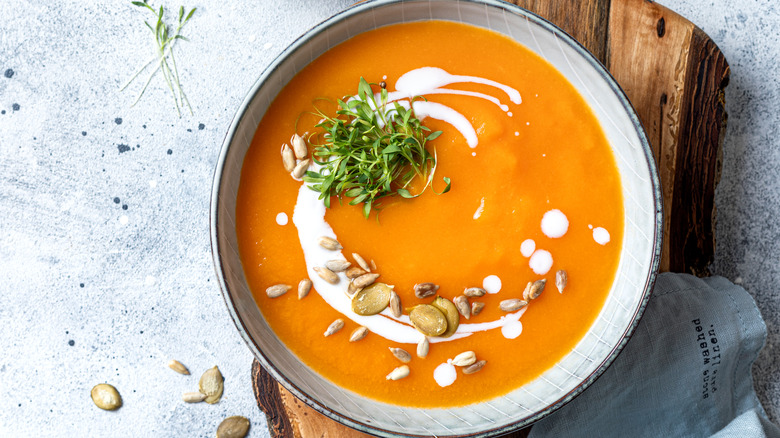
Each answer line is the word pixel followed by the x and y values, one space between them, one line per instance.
pixel 178 367
pixel 106 397
pixel 193 397
pixel 233 427
pixel 211 384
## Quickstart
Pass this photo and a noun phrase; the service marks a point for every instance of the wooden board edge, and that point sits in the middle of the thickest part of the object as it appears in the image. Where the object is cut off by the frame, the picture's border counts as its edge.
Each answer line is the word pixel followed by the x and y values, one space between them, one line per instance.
pixel 269 400
pixel 699 158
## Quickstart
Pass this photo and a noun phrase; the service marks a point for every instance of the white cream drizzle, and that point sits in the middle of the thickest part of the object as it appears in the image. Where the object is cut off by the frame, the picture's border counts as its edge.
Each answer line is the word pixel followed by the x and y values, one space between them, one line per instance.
pixel 309 212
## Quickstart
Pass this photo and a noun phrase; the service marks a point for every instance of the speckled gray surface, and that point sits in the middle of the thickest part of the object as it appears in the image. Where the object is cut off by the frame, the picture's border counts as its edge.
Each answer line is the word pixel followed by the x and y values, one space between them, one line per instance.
pixel 107 271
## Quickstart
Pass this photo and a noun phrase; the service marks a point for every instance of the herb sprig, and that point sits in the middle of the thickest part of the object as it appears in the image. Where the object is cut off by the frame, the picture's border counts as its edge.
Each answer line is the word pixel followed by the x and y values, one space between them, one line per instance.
pixel 372 150
pixel 166 37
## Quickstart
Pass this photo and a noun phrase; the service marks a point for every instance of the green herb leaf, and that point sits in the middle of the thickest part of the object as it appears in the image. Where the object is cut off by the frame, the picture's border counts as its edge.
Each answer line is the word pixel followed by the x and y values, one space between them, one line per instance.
pixel 371 149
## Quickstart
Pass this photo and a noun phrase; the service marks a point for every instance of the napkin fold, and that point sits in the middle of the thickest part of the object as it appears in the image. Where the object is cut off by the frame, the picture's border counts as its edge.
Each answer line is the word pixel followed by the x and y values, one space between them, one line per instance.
pixel 684 373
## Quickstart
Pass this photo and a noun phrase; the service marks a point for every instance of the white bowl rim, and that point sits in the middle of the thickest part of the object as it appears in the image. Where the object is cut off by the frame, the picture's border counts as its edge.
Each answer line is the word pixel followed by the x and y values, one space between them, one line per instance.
pixel 565 38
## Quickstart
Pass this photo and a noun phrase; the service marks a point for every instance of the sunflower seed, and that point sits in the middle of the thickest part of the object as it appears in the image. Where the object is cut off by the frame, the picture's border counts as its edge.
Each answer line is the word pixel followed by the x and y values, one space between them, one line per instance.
pixel 329 243
pixel 401 354
pixel 233 427
pixel 428 320
pixel 425 290
pixel 364 280
pixel 372 299
pixel 301 168
pixel 211 384
pixel 422 347
pixel 561 278
pixel 193 397
pixel 476 308
pixel 352 289
pixel 277 290
pixel 462 304
pixel 473 292
pixel 395 304
pixel 512 304
pixel 473 368
pixel 358 334
pixel 398 373
pixel 304 287
pixel 326 274
pixel 288 158
pixel 106 397
pixel 450 313
pixel 536 289
pixel 361 261
pixel 299 146
pixel 337 265
pixel 464 359
pixel 372 265
pixel 354 272
pixel 178 367
pixel 334 327
pixel 526 291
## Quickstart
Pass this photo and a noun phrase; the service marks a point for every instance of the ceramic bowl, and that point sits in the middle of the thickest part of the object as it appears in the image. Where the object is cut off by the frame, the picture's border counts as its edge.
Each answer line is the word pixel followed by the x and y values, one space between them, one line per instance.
pixel 627 297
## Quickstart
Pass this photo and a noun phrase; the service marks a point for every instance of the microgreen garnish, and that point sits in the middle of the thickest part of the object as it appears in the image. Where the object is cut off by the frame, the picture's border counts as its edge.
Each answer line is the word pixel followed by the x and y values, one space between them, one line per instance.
pixel 372 150
pixel 166 37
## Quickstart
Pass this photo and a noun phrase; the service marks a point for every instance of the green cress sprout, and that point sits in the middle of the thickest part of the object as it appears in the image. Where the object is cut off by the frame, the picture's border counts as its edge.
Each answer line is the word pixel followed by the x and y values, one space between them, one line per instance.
pixel 372 150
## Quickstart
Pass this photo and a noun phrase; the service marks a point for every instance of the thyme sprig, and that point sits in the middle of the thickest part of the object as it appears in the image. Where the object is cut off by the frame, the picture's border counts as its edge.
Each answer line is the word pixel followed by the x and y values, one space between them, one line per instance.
pixel 166 37
pixel 372 150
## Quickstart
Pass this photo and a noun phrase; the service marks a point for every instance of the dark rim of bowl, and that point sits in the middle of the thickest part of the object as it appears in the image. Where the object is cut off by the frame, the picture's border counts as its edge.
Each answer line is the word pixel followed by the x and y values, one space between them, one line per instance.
pixel 279 376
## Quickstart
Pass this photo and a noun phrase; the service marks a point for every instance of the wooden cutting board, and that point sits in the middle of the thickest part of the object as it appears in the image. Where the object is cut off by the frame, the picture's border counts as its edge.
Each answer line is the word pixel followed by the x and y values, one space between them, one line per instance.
pixel 674 76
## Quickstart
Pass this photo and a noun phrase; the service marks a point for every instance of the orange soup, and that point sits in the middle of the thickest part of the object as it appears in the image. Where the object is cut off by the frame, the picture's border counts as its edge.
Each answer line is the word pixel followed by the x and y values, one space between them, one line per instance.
pixel 535 191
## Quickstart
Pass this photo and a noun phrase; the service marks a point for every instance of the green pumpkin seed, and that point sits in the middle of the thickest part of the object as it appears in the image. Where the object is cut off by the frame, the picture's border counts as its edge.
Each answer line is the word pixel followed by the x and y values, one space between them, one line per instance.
pixel 211 384
pixel 450 312
pixel 233 427
pixel 428 320
pixel 372 299
pixel 106 397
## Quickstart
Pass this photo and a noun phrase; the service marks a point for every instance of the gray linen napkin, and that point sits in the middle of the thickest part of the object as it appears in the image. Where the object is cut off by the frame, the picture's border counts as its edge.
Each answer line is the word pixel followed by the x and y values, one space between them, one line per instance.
pixel 685 372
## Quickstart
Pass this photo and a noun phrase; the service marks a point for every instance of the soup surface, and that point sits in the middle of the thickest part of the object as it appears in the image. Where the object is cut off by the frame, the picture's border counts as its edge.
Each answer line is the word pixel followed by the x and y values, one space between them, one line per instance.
pixel 538 192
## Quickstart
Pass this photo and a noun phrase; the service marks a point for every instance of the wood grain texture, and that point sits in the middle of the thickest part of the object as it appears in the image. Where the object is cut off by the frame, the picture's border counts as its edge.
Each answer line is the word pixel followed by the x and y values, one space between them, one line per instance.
pixel 675 76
